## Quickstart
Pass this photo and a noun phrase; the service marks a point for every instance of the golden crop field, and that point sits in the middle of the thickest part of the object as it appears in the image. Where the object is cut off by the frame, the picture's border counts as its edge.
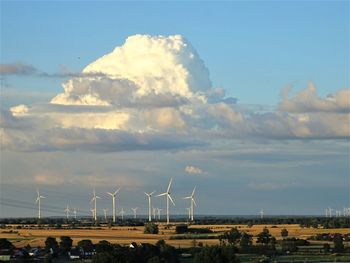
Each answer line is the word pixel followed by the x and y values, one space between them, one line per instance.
pixel 126 235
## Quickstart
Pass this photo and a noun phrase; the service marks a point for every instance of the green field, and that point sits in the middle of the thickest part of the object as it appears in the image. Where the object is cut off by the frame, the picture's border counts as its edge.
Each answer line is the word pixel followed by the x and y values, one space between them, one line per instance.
pixel 296 258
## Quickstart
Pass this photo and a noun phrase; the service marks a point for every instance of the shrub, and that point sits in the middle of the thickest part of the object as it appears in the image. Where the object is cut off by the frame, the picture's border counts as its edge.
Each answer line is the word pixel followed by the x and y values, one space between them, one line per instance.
pixel 151 228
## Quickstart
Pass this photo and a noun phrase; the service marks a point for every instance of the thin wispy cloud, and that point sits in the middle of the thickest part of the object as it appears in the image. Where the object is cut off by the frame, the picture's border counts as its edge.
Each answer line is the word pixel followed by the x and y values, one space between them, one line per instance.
pixel 17 69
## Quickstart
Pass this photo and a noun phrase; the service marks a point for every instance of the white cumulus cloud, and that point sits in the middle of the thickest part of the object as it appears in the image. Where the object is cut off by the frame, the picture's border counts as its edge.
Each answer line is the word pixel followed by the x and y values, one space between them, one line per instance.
pixel 154 92
pixel 143 65
pixel 193 170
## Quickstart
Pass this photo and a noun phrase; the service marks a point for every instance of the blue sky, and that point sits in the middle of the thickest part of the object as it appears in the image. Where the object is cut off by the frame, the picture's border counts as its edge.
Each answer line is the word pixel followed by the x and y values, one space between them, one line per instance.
pixel 278 153
pixel 252 49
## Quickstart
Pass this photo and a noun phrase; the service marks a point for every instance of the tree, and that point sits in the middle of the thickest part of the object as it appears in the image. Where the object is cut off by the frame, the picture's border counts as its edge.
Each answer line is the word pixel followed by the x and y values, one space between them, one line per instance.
pixel 5 244
pixel 338 243
pixel 246 240
pixel 264 237
pixel 216 254
pixel 151 228
pixel 86 245
pixel 232 236
pixel 51 245
pixel 284 232
pixel 181 229
pixel 104 257
pixel 104 246
pixel 326 248
pixel 66 244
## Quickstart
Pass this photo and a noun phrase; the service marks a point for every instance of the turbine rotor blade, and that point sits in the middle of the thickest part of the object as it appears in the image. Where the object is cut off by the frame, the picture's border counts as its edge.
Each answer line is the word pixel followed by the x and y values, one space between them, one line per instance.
pixel 169 196
pixel 116 191
pixel 194 201
pixel 162 194
pixel 194 189
pixel 171 180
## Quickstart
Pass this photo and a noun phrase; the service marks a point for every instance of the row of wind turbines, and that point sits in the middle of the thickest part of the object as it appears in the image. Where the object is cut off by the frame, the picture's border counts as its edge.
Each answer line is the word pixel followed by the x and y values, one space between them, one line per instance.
pixel 113 195
pixel 337 213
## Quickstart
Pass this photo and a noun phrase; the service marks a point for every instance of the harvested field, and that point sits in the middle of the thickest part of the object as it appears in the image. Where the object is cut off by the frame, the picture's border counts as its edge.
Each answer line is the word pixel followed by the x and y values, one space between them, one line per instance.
pixel 126 235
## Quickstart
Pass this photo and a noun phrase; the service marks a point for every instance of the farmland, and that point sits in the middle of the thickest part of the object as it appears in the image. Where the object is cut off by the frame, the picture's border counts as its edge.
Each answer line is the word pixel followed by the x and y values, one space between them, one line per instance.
pixel 126 234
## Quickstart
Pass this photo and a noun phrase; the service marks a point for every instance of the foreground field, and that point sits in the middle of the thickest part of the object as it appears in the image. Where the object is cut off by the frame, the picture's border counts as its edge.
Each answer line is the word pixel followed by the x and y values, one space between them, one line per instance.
pixel 126 235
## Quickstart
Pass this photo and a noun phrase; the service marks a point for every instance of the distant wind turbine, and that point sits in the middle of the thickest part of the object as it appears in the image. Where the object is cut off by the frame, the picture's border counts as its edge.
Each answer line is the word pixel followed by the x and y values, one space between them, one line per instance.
pixel 93 199
pixel 38 201
pixel 134 210
pixel 168 197
pixel 67 211
pixel 105 213
pixel 154 210
pixel 149 205
pixel 330 211
pixel 158 210
pixel 261 213
pixel 193 202
pixel 122 212
pixel 75 213
pixel 113 195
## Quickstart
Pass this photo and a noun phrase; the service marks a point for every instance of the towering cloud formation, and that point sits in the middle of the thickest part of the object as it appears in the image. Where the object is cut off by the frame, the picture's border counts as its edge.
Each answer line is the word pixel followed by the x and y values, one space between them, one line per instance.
pixel 143 66
pixel 154 92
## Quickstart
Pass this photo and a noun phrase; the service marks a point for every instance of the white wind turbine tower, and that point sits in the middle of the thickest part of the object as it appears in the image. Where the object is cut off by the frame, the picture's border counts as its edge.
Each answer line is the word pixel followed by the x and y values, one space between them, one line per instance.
pixel 105 213
pixel 134 210
pixel 93 199
pixel 149 205
pixel 193 202
pixel 168 197
pixel 92 213
pixel 38 201
pixel 67 211
pixel 261 213
pixel 75 213
pixel 330 211
pixel 158 211
pixel 189 212
pixel 113 195
pixel 154 210
pixel 122 212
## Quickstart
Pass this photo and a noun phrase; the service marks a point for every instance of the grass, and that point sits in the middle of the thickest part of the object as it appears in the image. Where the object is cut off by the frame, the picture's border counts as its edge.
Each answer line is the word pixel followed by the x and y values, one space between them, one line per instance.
pixel 296 258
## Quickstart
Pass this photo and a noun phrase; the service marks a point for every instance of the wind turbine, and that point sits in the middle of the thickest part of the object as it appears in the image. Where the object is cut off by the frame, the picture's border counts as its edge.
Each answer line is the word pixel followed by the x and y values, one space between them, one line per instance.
pixel 105 213
pixel 134 210
pixel 67 211
pixel 38 201
pixel 93 199
pixel 122 212
pixel 113 195
pixel 158 210
pixel 193 202
pixel 75 213
pixel 261 213
pixel 149 205
pixel 168 197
